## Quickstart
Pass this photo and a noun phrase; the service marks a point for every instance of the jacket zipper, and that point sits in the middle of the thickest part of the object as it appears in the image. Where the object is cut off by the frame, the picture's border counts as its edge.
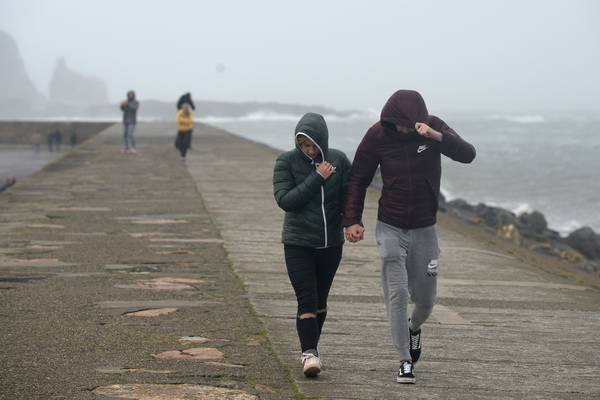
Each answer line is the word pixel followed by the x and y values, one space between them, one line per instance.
pixel 324 217
pixel 322 190
pixel 410 188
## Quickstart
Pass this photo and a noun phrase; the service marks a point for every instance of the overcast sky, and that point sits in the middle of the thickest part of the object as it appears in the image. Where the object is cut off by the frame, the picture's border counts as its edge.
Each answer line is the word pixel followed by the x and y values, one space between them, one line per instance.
pixel 501 55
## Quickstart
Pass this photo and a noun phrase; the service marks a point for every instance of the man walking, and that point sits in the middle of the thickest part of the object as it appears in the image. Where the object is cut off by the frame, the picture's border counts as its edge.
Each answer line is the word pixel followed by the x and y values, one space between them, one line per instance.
pixel 129 108
pixel 406 144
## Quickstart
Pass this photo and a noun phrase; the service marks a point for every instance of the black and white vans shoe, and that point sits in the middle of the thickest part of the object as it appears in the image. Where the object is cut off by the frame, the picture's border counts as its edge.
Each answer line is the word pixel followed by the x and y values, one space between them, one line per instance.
pixel 406 373
pixel 415 345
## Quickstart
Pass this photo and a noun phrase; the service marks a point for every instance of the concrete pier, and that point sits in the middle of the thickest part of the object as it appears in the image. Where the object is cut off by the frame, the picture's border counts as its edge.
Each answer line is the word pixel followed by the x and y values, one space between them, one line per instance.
pixel 147 277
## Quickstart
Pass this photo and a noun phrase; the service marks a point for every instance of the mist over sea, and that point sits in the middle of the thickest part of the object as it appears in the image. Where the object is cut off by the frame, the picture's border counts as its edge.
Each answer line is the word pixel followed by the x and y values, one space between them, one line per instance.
pixel 544 162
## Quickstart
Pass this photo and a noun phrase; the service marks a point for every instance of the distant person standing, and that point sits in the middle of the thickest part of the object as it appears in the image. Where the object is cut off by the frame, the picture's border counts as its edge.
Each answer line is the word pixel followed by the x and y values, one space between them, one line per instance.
pixel 73 138
pixel 185 125
pixel 186 99
pixel 57 139
pixel 36 141
pixel 406 143
pixel 50 139
pixel 129 108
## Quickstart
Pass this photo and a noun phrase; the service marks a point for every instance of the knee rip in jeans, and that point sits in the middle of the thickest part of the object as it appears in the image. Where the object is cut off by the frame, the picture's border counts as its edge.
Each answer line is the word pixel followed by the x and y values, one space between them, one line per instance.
pixel 322 310
pixel 307 315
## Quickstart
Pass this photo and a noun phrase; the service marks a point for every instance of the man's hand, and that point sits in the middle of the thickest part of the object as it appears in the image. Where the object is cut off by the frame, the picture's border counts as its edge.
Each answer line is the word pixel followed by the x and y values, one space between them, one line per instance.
pixel 426 131
pixel 355 233
pixel 325 169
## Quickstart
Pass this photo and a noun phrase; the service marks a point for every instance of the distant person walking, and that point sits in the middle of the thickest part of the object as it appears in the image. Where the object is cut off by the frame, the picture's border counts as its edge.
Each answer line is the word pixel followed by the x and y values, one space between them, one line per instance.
pixel 129 107
pixel 406 143
pixel 73 137
pixel 36 141
pixel 308 184
pixel 186 99
pixel 185 125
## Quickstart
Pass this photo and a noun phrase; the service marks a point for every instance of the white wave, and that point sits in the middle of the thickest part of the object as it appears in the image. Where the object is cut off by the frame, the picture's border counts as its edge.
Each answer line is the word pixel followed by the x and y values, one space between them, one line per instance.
pixel 447 195
pixel 251 117
pixel 522 208
pixel 521 119
pixel 268 116
pixel 564 228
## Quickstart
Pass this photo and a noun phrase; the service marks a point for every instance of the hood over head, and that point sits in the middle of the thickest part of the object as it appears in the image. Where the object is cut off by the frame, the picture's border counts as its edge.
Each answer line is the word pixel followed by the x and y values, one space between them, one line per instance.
pixel 404 108
pixel 313 126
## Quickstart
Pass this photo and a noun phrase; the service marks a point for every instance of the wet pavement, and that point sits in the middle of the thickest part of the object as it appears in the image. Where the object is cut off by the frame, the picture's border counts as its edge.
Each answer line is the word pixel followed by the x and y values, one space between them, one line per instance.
pixel 114 283
pixel 147 277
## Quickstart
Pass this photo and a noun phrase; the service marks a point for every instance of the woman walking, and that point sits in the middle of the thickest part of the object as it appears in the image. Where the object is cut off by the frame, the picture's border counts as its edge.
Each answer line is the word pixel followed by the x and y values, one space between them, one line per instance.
pixel 309 184
pixel 185 125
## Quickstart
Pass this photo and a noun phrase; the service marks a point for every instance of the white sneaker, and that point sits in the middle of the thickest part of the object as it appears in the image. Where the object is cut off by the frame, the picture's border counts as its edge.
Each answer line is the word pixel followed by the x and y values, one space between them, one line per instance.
pixel 311 365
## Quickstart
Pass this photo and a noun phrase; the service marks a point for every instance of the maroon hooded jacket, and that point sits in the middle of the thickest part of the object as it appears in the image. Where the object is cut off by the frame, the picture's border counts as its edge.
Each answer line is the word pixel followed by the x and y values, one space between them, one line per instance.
pixel 410 164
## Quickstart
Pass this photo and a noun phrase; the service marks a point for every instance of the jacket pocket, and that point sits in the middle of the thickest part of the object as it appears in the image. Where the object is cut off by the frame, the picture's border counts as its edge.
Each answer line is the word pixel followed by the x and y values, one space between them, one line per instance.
pixel 434 195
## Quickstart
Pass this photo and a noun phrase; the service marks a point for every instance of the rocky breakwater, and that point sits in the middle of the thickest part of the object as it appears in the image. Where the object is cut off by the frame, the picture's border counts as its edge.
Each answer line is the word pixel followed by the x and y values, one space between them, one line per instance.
pixel 581 247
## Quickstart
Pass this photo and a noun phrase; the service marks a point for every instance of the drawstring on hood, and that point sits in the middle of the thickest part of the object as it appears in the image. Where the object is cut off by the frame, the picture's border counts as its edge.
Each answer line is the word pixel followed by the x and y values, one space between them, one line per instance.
pixel 313 126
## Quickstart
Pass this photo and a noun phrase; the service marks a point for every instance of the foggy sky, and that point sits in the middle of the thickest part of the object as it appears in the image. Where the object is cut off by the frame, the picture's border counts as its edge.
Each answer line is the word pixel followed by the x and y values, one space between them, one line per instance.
pixel 502 55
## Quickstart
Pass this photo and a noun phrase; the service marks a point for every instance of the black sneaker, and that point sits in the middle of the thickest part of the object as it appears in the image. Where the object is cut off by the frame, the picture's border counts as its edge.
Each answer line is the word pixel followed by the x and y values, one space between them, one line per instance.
pixel 415 345
pixel 405 373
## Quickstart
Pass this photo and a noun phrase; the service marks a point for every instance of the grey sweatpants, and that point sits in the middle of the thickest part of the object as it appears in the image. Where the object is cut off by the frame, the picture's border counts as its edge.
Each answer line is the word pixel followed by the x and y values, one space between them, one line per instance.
pixel 409 265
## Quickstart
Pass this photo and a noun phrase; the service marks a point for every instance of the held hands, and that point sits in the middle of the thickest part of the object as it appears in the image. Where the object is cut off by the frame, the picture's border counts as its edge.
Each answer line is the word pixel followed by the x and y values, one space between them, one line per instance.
pixel 325 169
pixel 426 131
pixel 355 233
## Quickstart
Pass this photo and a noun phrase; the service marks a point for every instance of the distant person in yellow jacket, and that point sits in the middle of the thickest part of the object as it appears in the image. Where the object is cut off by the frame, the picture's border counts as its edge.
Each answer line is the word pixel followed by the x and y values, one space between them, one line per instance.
pixel 185 124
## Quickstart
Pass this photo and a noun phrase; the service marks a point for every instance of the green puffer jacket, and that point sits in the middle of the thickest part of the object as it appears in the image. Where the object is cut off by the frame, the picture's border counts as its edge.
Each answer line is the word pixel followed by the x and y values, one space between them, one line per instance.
pixel 313 206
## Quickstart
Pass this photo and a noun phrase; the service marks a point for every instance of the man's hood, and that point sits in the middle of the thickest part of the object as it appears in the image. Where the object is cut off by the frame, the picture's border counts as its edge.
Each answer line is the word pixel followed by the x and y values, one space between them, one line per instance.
pixel 313 126
pixel 404 108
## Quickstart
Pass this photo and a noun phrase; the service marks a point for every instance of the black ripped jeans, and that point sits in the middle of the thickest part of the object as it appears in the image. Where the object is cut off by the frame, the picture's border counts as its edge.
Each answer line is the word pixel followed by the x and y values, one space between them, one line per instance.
pixel 311 273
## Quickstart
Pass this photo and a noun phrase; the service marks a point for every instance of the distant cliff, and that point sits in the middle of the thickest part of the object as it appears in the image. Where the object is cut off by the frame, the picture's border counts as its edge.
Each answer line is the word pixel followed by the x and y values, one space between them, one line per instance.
pixel 75 95
pixel 72 89
pixel 18 95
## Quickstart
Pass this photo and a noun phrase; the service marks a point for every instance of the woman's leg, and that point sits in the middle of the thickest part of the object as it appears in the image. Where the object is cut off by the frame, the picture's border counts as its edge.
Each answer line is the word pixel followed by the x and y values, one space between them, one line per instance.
pixel 300 262
pixel 178 141
pixel 327 261
pixel 185 142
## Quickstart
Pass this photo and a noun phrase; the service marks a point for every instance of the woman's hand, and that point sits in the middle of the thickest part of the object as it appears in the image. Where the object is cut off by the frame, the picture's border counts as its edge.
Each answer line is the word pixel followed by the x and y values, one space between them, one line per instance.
pixel 325 169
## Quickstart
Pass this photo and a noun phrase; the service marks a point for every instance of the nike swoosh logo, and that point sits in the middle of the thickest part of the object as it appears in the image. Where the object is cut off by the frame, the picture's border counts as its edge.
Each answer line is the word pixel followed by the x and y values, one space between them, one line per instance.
pixel 422 148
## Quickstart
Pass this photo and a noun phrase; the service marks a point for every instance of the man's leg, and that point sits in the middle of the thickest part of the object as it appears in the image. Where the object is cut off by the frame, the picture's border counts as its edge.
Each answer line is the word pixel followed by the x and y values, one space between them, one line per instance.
pixel 393 243
pixel 422 268
pixel 125 137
